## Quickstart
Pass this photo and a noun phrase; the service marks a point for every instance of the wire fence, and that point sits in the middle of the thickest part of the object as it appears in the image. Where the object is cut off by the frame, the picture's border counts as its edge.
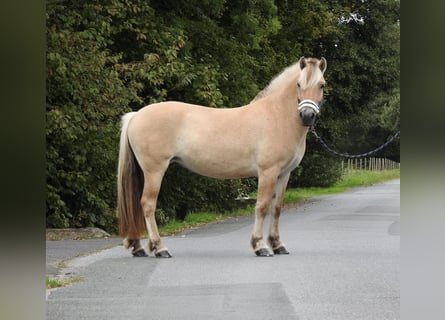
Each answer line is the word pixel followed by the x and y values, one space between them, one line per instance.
pixel 372 164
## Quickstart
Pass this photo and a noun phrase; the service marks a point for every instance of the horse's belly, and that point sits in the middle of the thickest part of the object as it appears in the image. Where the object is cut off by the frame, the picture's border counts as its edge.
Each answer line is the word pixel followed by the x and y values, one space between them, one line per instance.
pixel 219 167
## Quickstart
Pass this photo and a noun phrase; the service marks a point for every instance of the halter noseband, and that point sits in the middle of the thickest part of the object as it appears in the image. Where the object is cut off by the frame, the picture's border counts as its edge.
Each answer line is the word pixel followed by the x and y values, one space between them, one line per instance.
pixel 309 104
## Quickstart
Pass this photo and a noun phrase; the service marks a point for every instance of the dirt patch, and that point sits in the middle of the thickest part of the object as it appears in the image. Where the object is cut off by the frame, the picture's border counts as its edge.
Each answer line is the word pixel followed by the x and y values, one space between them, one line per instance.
pixel 76 234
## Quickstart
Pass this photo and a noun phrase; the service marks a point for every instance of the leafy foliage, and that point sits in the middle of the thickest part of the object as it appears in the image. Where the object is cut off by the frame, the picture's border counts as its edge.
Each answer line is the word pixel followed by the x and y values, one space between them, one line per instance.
pixel 107 57
pixel 85 98
pixel 364 71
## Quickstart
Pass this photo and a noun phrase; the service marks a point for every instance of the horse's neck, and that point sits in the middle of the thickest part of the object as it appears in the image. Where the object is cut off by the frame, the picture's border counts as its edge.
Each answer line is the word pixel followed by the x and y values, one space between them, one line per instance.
pixel 287 97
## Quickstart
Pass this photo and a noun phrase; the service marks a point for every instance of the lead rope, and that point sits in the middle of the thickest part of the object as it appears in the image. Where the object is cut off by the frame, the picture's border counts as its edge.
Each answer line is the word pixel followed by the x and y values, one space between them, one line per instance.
pixel 362 155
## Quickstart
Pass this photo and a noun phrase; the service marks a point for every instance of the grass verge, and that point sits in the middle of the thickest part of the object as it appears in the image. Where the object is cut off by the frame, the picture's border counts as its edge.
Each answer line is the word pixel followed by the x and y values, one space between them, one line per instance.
pixel 52 283
pixel 351 179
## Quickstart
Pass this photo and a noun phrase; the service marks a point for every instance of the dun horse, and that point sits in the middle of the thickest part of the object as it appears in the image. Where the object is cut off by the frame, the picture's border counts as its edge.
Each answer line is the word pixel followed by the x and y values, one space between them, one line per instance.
pixel 266 139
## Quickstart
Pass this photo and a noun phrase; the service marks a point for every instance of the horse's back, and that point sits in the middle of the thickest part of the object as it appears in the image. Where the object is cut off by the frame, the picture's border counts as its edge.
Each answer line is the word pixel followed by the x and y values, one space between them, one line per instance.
pixel 212 142
pixel 163 114
pixel 170 119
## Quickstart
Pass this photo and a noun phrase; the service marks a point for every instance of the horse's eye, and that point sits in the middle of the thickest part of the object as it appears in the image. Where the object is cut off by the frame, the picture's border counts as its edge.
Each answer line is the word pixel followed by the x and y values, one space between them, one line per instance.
pixel 322 86
pixel 298 85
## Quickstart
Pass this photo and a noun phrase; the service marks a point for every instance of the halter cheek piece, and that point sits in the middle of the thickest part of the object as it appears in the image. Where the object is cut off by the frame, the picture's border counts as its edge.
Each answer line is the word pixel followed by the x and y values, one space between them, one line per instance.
pixel 309 104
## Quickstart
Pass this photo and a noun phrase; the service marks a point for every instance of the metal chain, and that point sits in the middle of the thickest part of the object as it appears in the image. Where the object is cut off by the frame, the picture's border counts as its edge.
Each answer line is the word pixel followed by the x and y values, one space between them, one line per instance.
pixel 362 155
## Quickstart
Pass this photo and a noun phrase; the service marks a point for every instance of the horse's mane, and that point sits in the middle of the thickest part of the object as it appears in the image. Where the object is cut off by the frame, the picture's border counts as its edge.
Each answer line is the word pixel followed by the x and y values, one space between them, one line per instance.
pixel 311 78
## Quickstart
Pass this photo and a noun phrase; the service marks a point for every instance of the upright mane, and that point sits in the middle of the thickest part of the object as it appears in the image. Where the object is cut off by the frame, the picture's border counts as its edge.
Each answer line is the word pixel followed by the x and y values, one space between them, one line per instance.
pixel 310 76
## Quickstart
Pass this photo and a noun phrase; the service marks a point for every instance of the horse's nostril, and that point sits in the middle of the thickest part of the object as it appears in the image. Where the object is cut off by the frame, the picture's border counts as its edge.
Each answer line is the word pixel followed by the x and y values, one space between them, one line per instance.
pixel 301 115
pixel 312 115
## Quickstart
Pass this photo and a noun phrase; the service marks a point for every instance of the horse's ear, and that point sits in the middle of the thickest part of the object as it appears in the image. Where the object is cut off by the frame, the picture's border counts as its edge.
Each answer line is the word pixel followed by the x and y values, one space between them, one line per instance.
pixel 323 64
pixel 302 62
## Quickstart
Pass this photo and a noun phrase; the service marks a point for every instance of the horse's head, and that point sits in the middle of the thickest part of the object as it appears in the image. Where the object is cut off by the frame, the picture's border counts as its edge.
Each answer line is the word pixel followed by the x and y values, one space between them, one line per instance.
pixel 310 88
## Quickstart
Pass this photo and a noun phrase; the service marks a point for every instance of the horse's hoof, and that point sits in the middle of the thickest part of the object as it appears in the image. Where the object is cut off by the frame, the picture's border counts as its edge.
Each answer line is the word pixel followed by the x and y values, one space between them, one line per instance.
pixel 263 252
pixel 280 250
pixel 163 254
pixel 140 253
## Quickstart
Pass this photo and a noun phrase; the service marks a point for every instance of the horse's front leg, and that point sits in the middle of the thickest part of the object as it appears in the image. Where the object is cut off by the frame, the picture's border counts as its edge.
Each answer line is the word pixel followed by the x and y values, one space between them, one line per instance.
pixel 266 187
pixel 274 233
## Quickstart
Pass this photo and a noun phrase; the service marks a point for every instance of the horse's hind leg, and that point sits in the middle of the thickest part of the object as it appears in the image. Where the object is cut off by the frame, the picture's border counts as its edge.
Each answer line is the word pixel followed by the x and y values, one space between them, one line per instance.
pixel 149 198
pixel 138 250
pixel 274 234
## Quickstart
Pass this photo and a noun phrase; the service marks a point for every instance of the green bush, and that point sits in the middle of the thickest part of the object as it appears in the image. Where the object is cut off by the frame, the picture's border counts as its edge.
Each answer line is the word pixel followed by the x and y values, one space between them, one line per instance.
pixel 105 58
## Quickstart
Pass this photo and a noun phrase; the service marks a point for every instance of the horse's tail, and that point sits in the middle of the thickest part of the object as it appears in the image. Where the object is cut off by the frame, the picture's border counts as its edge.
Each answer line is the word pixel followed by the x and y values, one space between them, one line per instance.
pixel 130 184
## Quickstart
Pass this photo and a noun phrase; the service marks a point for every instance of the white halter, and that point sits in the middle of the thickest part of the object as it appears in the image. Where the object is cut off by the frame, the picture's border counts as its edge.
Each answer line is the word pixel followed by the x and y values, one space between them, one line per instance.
pixel 309 104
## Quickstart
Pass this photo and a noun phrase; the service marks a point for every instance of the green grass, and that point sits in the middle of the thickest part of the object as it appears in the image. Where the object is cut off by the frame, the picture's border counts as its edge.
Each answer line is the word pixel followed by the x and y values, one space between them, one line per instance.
pixel 192 220
pixel 352 179
pixel 52 283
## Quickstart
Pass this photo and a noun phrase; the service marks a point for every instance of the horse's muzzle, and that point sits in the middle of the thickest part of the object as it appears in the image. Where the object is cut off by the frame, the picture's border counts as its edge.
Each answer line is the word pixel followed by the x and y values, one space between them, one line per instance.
pixel 307 116
pixel 308 112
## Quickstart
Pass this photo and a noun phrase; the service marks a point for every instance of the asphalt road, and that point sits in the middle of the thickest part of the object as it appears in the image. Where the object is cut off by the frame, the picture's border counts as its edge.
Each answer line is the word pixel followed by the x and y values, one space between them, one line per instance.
pixel 344 264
